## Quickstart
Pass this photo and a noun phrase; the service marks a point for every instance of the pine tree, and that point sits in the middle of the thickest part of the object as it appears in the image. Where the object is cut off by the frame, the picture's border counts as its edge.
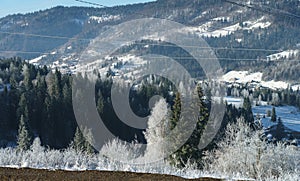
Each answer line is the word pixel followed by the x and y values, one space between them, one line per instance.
pixel 23 108
pixel 83 141
pixel 176 111
pixel 269 113
pixel 189 151
pixel 13 100
pixel 175 158
pixel 208 96
pixel 69 123
pixel 89 149
pixel 39 99
pixel 13 82
pixel 24 140
pixel 48 125
pixel 88 141
pixel 201 122
pixel 54 84
pixel 273 115
pixel 79 141
pixel 280 131
pixel 27 77
pixel 100 103
pixel 247 111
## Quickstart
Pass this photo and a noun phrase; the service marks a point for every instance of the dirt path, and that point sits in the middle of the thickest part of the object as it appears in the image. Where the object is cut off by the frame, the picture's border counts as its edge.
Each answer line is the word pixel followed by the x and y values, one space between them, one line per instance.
pixel 34 175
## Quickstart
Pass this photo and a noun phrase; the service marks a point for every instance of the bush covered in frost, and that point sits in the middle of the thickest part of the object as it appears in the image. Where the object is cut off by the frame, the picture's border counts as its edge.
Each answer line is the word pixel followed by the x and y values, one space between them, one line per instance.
pixel 245 152
pixel 242 153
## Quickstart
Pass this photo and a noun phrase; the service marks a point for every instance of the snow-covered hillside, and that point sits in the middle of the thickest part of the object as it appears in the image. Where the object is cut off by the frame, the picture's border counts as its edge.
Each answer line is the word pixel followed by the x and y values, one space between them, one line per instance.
pixel 208 29
pixel 104 18
pixel 283 55
pixel 253 79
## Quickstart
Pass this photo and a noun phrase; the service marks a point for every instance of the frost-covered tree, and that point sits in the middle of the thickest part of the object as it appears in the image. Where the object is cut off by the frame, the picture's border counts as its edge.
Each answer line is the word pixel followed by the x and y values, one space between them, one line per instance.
pixel 83 141
pixel 245 93
pixel 36 146
pixel 24 140
pixel 119 150
pixel 247 153
pixel 275 99
pixel 88 141
pixel 259 100
pixel 78 142
pixel 157 130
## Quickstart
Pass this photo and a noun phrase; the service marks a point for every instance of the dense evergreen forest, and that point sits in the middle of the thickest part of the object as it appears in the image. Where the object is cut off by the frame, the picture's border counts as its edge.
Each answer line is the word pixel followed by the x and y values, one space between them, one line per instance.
pixel 40 101
pixel 37 102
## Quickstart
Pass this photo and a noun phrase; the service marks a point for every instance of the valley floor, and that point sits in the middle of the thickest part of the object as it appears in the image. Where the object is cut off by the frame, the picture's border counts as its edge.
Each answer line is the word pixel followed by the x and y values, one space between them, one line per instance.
pixel 37 174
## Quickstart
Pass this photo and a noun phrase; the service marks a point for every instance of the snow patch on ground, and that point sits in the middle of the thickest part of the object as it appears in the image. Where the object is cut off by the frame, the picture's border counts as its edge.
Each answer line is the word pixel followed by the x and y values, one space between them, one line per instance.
pixel 296 87
pixel 275 84
pixel 239 40
pixel 259 23
pixel 221 18
pixel 199 29
pixel 285 54
pixel 155 37
pixel 104 18
pixel 203 30
pixel 243 77
pixel 37 60
pixel 235 101
pixel 289 115
pixel 222 32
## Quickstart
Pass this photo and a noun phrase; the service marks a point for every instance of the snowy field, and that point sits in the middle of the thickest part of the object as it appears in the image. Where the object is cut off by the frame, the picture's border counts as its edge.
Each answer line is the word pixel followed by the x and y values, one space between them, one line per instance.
pixel 289 115
pixel 235 101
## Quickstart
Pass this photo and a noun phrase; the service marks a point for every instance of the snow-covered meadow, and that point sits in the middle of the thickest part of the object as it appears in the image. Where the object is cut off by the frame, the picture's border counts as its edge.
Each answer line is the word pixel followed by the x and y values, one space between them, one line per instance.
pixel 289 115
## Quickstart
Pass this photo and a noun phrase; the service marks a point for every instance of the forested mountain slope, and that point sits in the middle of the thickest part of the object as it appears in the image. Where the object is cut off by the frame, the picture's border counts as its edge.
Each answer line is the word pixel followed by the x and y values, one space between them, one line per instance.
pixel 249 33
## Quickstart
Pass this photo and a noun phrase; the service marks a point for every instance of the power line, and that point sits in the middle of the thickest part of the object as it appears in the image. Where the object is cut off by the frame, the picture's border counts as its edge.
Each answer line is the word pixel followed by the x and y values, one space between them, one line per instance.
pixel 165 45
pixel 279 11
pixel 96 4
pixel 43 36
pixel 91 3
pixel 191 46
pixel 27 52
pixel 159 57
pixel 85 39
